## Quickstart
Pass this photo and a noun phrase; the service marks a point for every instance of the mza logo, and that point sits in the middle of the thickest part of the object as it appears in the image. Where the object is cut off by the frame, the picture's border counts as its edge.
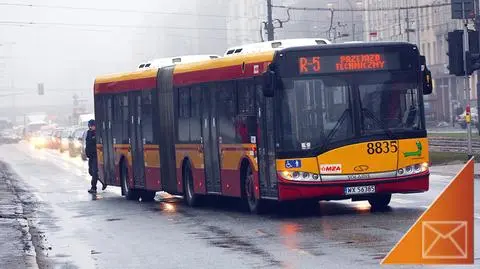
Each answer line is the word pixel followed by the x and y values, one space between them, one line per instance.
pixel 330 168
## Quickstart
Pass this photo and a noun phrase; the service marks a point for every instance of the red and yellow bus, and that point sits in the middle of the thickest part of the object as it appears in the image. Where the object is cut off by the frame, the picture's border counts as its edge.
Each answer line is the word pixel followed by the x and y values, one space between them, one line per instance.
pixel 340 121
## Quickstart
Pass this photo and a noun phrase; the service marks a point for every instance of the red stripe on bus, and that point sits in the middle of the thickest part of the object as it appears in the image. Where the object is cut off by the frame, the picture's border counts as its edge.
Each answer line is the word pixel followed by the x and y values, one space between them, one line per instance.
pixel 126 85
pixel 218 74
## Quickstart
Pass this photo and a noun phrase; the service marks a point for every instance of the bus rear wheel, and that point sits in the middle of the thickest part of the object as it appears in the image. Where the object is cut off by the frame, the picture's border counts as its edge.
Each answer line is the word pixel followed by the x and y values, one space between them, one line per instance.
pixel 191 199
pixel 130 194
pixel 253 204
pixel 380 201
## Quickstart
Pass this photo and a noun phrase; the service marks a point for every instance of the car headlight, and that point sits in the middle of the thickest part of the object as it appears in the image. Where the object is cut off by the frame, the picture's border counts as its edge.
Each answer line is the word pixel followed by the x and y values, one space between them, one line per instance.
pixel 413 169
pixel 300 176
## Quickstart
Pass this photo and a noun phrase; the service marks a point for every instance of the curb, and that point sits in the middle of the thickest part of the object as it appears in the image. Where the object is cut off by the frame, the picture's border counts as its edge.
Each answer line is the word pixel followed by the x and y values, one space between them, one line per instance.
pixel 30 257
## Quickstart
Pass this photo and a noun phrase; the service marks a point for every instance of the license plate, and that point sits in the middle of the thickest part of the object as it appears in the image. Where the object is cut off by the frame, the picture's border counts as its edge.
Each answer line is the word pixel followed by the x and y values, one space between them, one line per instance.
pixel 360 189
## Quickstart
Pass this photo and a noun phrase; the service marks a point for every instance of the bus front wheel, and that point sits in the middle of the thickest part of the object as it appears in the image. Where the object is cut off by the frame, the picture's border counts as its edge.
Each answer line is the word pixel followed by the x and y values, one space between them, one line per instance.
pixel 380 201
pixel 254 205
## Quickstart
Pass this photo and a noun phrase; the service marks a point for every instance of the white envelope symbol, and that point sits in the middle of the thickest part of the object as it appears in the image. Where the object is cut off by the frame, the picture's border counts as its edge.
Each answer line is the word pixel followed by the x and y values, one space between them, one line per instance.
pixel 451 238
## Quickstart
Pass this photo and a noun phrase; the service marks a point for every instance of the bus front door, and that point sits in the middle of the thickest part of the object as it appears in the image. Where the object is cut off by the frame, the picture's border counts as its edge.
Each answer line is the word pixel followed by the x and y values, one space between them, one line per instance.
pixel 210 141
pixel 136 140
pixel 266 145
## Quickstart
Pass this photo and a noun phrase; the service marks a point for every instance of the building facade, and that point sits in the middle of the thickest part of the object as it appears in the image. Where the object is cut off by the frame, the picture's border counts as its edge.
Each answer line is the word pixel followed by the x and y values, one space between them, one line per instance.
pixel 398 20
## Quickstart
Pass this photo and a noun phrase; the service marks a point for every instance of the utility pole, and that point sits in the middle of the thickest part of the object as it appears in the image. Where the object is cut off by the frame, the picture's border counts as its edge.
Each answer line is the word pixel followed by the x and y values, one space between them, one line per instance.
pixel 417 30
pixel 407 29
pixel 270 28
pixel 467 86
pixel 352 14
pixel 464 10
pixel 477 27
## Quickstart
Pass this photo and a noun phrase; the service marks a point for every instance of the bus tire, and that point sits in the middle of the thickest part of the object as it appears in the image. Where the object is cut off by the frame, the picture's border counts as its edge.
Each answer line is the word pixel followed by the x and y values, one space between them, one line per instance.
pixel 148 196
pixel 253 205
pixel 380 201
pixel 130 194
pixel 191 199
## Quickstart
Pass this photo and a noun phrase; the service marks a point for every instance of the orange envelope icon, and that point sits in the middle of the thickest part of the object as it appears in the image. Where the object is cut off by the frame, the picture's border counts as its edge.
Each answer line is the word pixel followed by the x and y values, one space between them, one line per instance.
pixel 444 239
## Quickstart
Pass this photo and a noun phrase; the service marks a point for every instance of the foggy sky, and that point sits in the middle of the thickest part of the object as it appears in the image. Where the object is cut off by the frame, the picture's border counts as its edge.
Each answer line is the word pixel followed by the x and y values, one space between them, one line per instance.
pixel 67 58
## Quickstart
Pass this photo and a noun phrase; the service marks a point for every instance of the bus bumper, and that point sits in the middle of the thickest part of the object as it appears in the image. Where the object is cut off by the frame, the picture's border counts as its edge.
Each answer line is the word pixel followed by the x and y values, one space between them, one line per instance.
pixel 335 191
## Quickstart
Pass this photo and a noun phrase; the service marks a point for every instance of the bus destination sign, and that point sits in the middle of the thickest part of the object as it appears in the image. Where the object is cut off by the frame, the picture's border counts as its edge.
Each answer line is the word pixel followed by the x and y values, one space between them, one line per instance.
pixel 348 63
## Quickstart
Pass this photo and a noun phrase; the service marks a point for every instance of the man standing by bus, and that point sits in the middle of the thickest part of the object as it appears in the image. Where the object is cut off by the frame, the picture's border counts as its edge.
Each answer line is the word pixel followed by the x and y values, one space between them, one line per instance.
pixel 91 152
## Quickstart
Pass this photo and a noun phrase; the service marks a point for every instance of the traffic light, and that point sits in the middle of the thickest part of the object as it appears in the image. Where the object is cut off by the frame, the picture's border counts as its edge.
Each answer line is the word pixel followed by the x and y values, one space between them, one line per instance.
pixel 473 62
pixel 456 50
pixel 455 53
pixel 473 55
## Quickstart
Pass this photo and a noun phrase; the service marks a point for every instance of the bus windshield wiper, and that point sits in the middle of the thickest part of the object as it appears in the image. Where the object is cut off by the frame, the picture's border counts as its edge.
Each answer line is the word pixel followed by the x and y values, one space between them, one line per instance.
pixel 336 127
pixel 370 114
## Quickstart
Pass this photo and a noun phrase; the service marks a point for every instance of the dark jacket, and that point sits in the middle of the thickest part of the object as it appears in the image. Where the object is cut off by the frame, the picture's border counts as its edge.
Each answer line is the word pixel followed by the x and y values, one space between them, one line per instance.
pixel 91 144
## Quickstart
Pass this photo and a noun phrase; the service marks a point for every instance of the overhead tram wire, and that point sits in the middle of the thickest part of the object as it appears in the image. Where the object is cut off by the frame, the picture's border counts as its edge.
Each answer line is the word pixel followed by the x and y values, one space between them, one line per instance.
pixel 123 10
pixel 136 11
pixel 359 9
pixel 33 23
pixel 133 26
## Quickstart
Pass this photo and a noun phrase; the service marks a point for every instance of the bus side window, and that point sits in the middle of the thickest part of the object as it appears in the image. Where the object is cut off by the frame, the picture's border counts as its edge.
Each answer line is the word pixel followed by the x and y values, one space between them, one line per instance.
pixel 246 121
pixel 117 118
pixel 226 110
pixel 147 116
pixel 196 114
pixel 183 115
pixel 125 119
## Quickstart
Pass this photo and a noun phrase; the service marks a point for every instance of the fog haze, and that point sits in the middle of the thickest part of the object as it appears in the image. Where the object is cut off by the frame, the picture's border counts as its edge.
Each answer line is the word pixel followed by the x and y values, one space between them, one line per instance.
pixel 65 44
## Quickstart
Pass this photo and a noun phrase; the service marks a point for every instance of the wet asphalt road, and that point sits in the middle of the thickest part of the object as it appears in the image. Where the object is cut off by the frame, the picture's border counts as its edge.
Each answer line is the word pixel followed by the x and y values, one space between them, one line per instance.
pixel 72 229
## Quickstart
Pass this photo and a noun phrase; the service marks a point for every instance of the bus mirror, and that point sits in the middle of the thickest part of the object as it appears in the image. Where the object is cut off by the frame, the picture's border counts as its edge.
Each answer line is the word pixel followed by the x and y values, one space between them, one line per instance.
pixel 269 83
pixel 427 81
pixel 423 60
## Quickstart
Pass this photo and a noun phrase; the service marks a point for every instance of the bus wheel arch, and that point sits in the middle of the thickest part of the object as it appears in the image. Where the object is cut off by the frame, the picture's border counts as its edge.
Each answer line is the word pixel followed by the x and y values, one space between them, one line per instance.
pixel 189 196
pixel 130 194
pixel 247 181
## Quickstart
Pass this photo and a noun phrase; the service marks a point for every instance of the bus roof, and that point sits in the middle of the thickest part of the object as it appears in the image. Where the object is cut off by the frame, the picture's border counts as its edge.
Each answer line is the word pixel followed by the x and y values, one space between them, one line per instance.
pixel 275 45
pixel 188 73
pixel 141 79
pixel 237 66
pixel 225 68
pixel 162 62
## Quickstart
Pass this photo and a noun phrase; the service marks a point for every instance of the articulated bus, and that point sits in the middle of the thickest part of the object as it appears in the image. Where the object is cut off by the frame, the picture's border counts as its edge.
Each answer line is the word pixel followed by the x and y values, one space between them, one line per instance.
pixel 322 122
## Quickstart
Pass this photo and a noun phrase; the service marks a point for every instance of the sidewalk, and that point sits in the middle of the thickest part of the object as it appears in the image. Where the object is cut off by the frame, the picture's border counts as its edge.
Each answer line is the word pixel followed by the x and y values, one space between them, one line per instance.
pixel 453 169
pixel 16 250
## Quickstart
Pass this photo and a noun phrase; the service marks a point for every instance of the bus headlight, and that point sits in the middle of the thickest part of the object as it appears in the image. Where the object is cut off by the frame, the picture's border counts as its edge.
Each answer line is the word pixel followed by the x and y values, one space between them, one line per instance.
pixel 300 176
pixel 412 169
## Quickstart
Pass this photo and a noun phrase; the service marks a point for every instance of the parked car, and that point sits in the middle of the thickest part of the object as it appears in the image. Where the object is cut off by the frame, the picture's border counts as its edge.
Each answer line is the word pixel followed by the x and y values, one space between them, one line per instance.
pixel 82 150
pixel 75 142
pixel 66 133
pixel 9 137
pixel 56 138
pixel 41 139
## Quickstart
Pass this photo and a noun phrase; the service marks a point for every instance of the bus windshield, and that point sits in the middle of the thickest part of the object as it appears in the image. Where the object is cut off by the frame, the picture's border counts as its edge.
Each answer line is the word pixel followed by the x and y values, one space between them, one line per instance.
pixel 316 110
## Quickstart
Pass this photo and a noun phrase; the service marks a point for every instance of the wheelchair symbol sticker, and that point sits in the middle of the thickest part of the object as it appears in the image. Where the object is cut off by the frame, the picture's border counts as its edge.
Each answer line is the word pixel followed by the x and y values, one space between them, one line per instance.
pixel 293 164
